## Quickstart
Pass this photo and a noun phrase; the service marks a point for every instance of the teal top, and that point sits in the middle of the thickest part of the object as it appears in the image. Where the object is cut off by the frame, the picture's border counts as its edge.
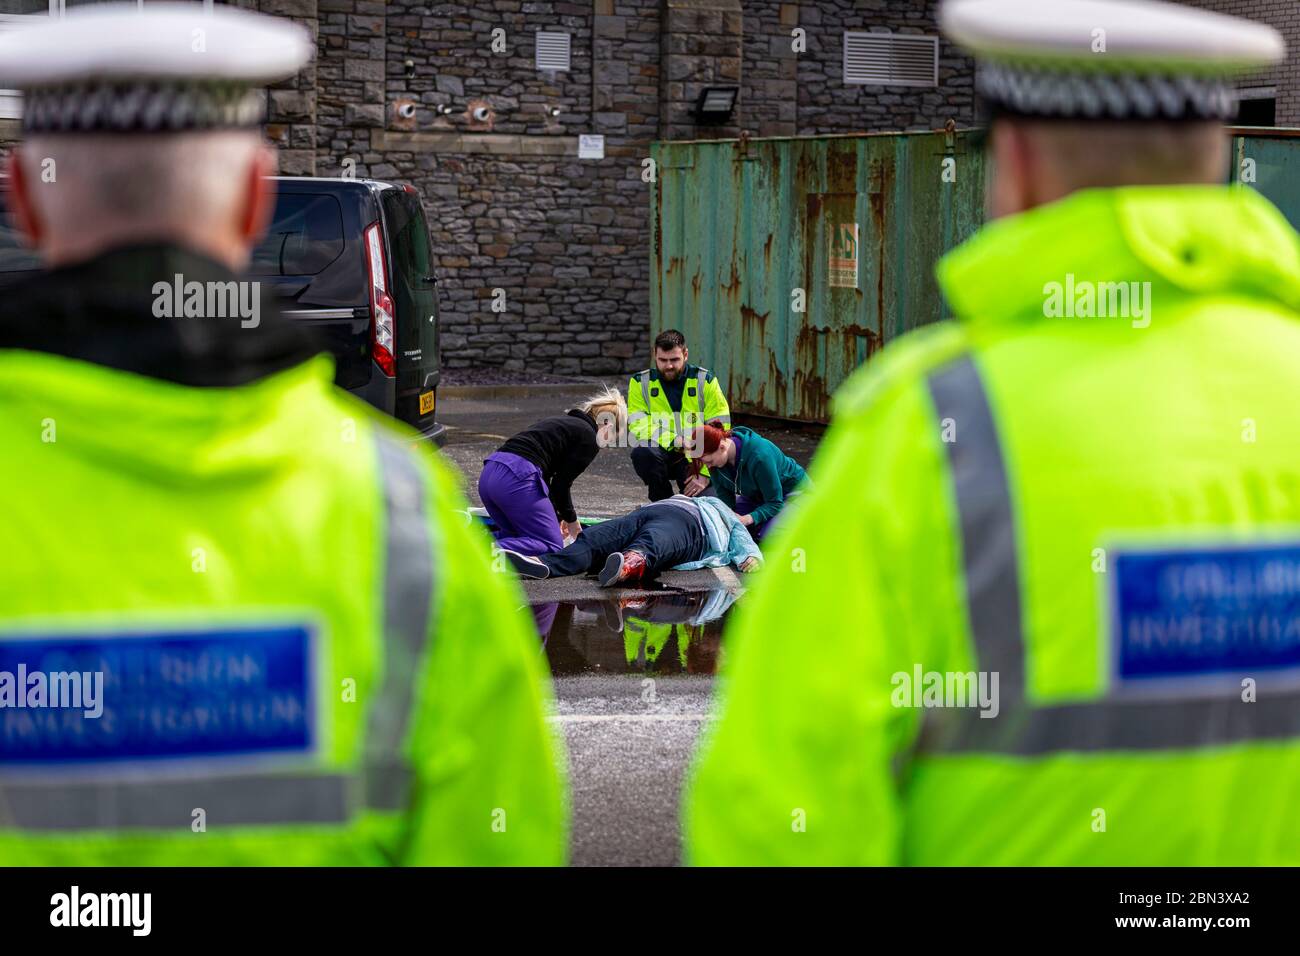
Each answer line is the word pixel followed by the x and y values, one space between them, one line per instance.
pixel 762 472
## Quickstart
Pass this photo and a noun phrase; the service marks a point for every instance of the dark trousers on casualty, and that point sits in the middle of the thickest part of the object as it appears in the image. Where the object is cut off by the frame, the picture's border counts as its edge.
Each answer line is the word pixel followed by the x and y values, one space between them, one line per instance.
pixel 668 535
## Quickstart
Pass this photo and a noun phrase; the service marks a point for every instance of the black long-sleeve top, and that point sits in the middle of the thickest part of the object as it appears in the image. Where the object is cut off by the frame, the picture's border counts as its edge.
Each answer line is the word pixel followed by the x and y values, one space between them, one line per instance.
pixel 562 446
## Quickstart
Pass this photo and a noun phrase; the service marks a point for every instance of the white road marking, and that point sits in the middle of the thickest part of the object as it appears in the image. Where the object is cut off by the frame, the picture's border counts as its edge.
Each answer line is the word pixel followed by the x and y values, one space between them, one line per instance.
pixel 611 718
pixel 457 428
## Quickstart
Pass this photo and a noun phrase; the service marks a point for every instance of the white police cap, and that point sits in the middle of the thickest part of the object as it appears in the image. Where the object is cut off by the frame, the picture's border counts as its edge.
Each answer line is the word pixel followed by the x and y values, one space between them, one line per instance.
pixel 165 67
pixel 1105 59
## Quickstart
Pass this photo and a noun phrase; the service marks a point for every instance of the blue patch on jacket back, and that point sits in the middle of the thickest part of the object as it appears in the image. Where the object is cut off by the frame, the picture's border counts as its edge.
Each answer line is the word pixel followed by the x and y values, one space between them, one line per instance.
pixel 225 692
pixel 1205 611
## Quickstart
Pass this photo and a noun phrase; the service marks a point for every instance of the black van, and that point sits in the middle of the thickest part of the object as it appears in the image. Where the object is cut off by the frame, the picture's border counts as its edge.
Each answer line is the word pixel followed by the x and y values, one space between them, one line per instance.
pixel 351 259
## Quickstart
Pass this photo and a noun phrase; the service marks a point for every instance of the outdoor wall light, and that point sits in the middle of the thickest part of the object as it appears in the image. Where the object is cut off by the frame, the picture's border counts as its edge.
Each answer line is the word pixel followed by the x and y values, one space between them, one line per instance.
pixel 715 104
pixel 481 114
pixel 406 110
pixel 555 110
pixel 445 110
pixel 410 69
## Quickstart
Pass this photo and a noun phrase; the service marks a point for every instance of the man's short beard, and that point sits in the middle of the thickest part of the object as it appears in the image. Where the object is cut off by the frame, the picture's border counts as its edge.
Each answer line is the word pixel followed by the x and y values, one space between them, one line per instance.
pixel 672 375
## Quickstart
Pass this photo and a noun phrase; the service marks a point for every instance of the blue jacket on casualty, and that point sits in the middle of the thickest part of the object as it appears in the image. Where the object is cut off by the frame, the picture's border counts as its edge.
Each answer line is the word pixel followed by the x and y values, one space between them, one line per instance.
pixel 728 540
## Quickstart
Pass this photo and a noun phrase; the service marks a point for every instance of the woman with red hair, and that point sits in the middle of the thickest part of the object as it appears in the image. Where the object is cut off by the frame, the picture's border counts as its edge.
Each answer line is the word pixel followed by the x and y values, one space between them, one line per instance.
pixel 750 474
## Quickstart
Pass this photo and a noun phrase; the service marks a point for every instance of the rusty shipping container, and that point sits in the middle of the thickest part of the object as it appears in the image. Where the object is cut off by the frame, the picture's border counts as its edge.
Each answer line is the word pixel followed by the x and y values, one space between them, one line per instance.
pixel 1269 160
pixel 744 232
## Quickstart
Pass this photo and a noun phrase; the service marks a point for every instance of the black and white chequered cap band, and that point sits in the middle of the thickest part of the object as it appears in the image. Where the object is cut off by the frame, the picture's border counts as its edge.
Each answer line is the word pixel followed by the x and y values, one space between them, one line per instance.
pixel 141 106
pixel 1032 91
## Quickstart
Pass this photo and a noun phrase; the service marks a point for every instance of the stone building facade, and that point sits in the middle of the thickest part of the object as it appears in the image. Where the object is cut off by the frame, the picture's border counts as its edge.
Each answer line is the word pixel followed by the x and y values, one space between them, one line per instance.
pixel 1282 83
pixel 448 96
pixel 512 207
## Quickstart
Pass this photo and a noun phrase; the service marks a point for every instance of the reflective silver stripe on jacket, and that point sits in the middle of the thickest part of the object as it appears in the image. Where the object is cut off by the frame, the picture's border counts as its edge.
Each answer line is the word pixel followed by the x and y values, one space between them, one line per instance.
pixel 701 379
pixel 644 378
pixel 237 799
pixel 655 430
pixel 226 801
pixel 994 611
pixel 988 539
pixel 408 599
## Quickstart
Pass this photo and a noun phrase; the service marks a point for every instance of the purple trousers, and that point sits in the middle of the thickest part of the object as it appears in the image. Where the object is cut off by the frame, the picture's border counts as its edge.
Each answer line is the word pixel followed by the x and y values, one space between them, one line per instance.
pixel 516 497
pixel 745 505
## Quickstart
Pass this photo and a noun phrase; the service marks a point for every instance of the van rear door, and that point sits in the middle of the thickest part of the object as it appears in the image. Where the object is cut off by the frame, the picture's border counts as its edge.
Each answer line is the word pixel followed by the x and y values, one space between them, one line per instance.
pixel 415 298
pixel 17 259
pixel 320 274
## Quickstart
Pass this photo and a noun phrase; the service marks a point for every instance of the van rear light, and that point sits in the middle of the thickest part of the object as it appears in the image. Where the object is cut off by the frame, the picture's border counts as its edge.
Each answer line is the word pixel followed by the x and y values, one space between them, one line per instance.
pixel 381 303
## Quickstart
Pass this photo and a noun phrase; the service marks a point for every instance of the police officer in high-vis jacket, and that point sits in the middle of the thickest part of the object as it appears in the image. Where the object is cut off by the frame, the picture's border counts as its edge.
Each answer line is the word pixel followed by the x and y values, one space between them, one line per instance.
pixel 1042 604
pixel 664 405
pixel 241 621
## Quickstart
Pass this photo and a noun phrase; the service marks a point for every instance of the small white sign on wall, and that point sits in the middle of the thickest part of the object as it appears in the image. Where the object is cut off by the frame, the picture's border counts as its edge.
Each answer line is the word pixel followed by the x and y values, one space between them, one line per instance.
pixel 591 146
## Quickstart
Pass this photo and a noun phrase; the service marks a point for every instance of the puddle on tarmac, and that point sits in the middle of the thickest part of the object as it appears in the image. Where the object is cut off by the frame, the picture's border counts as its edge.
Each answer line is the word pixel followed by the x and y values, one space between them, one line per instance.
pixel 668 632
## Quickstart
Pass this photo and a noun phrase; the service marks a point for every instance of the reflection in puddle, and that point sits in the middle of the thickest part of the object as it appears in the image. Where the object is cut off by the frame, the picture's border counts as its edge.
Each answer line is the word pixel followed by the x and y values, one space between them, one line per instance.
pixel 670 632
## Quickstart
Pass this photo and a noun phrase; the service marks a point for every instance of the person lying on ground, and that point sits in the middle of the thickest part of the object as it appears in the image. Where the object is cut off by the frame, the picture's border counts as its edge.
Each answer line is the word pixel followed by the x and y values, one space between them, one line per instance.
pixel 750 474
pixel 672 608
pixel 526 484
pixel 679 532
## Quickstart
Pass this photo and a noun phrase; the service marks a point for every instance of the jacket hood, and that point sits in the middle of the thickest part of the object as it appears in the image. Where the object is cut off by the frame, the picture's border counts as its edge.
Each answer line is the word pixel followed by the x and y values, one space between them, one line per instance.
pixel 1198 240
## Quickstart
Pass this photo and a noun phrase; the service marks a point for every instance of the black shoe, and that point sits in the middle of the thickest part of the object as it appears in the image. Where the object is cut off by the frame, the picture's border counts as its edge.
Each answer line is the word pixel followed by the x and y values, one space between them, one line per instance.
pixel 610 572
pixel 527 565
pixel 625 567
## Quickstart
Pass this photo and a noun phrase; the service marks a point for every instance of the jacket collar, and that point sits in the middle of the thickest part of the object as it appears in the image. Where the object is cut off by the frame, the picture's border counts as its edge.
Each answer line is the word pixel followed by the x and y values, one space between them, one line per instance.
pixel 106 310
pixel 579 413
pixel 1186 239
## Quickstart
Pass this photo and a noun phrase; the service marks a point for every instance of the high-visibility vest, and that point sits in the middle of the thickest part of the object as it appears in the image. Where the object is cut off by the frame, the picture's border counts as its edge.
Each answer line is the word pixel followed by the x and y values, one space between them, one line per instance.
pixel 303 652
pixel 651 418
pixel 1042 604
pixel 644 641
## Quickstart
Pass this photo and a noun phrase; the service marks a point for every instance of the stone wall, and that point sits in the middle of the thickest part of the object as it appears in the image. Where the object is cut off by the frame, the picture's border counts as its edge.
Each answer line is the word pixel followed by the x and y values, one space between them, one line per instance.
pixel 788 93
pixel 828 105
pixel 291 109
pixel 516 217
pixel 703 43
pixel 1283 16
pixel 770 95
pixel 441 54
pixel 511 207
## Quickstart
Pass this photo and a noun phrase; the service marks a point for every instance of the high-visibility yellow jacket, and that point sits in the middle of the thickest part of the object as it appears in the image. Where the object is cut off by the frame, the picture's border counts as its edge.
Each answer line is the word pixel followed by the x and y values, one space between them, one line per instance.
pixel 1102 510
pixel 306 657
pixel 644 641
pixel 651 418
